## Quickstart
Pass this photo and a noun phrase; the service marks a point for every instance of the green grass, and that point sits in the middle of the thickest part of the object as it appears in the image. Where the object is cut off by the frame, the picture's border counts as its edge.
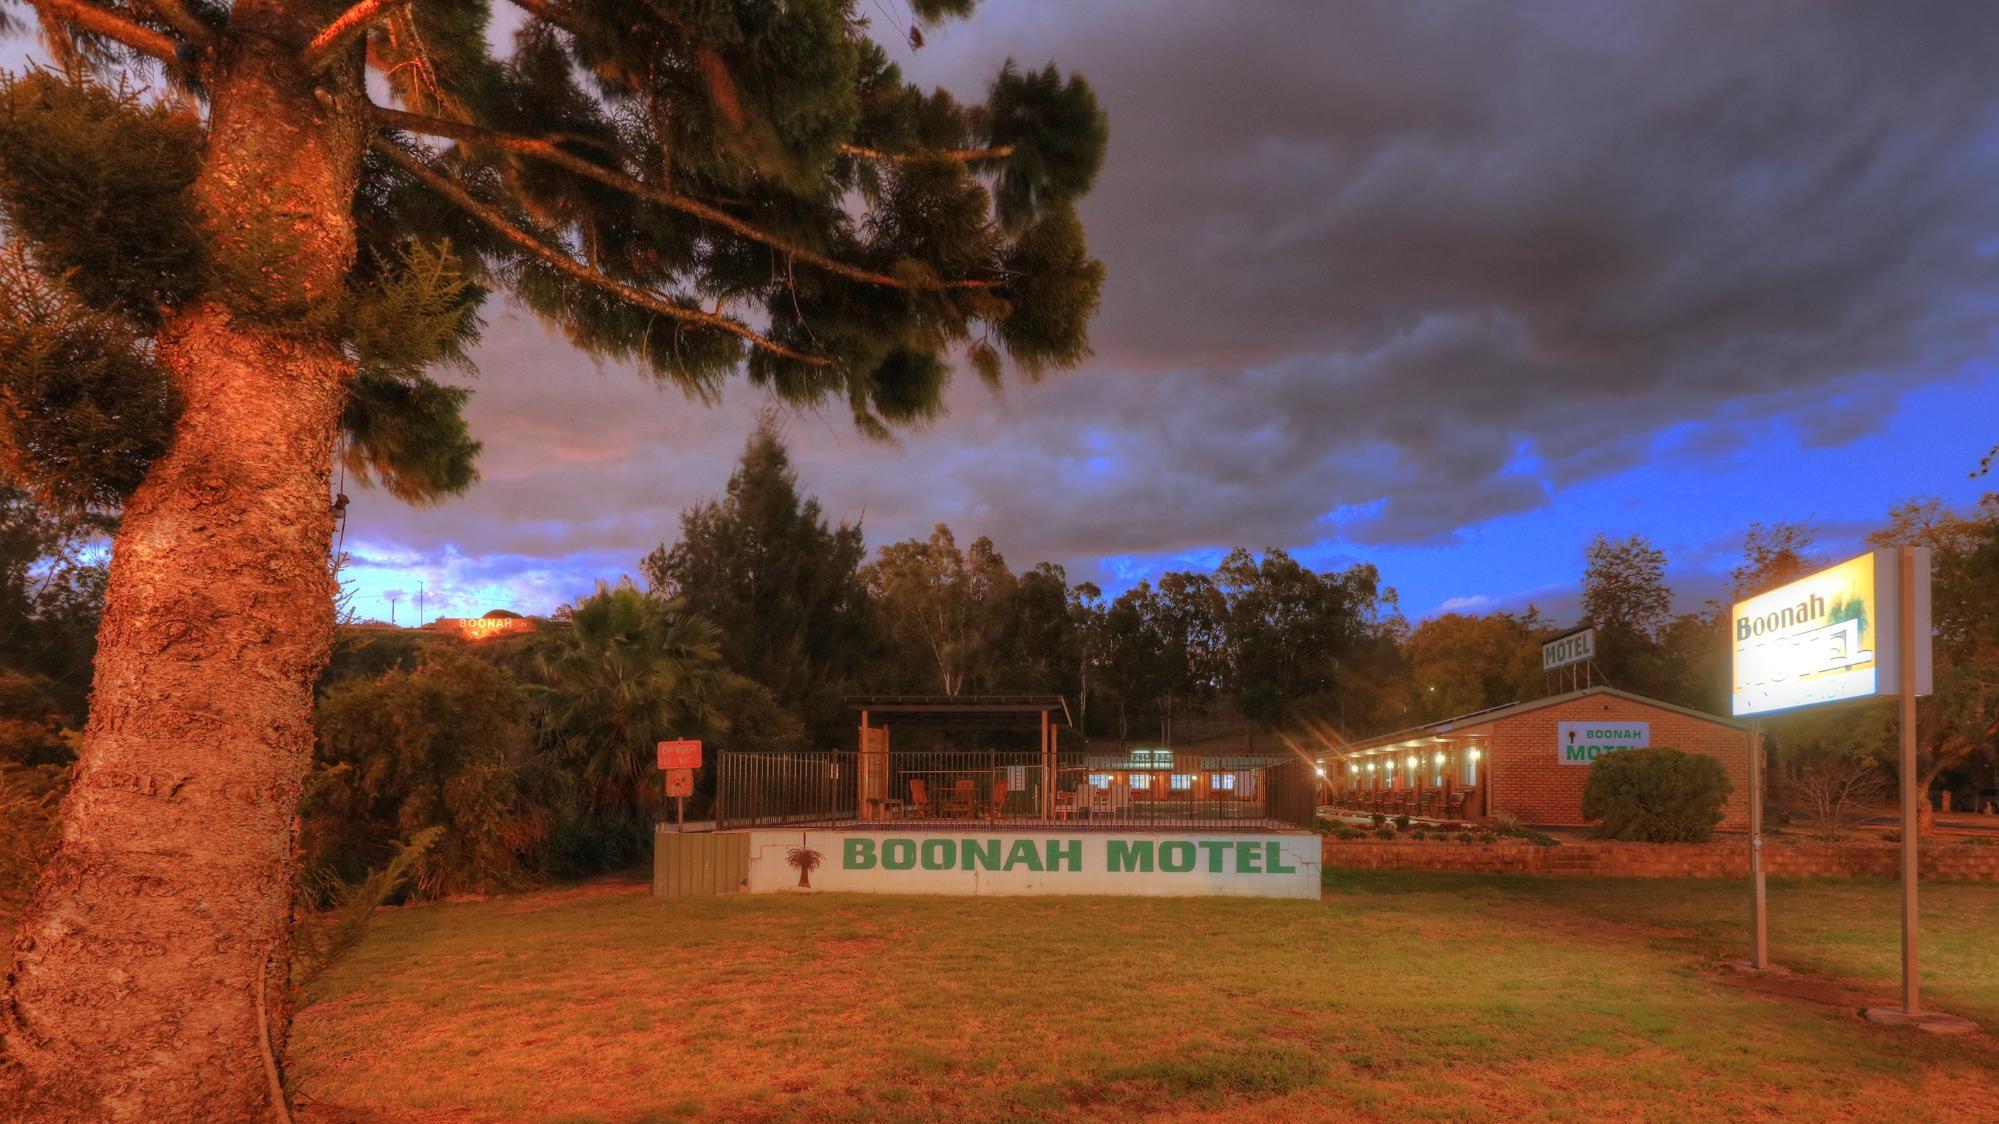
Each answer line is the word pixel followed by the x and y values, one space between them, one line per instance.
pixel 1404 996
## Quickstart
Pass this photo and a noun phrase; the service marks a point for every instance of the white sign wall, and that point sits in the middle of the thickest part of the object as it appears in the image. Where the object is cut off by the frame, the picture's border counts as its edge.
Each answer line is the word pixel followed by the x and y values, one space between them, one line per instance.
pixel 982 863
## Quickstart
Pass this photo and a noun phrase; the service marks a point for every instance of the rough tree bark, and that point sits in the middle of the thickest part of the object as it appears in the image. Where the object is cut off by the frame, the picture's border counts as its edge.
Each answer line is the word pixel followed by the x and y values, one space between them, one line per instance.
pixel 132 993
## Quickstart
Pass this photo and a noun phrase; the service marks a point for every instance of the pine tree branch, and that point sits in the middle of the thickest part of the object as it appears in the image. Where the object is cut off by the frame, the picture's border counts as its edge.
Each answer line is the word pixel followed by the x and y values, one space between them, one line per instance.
pixel 180 19
pixel 962 155
pixel 563 263
pixel 610 177
pixel 544 10
pixel 353 23
pixel 101 22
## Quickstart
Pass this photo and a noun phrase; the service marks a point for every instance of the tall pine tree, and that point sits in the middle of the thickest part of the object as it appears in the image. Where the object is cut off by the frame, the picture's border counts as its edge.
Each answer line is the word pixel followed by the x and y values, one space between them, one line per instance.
pixel 784 588
pixel 214 292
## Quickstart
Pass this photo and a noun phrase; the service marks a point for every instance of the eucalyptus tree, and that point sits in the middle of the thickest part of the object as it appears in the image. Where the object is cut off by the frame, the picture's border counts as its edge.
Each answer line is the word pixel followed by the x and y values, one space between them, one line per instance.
pixel 243 239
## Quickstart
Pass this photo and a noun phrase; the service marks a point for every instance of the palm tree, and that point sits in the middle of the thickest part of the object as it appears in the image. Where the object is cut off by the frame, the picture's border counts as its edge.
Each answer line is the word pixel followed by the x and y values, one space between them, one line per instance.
pixel 804 860
pixel 635 670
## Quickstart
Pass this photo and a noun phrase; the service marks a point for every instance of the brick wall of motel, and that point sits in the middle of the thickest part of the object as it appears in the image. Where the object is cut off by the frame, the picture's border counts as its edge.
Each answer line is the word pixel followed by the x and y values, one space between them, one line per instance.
pixel 1664 860
pixel 1529 780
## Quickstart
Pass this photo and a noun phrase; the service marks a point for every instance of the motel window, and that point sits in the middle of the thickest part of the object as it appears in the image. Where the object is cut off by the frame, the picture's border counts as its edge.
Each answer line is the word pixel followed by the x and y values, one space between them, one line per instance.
pixel 1100 780
pixel 1181 782
pixel 1471 768
pixel 1140 781
pixel 1222 781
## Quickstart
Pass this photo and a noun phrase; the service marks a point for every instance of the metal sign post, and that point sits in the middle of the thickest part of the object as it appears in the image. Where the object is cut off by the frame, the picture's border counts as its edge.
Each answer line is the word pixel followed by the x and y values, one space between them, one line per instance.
pixel 1759 926
pixel 677 762
pixel 1912 679
pixel 1910 987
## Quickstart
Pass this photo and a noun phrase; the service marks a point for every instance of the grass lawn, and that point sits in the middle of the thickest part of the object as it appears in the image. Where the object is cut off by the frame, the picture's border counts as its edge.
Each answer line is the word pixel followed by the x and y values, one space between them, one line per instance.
pixel 1398 996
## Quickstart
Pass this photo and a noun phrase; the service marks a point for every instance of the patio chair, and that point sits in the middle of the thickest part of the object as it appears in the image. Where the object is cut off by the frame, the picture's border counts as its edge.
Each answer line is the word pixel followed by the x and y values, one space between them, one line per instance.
pixel 919 799
pixel 1066 803
pixel 960 801
pixel 1100 801
pixel 998 806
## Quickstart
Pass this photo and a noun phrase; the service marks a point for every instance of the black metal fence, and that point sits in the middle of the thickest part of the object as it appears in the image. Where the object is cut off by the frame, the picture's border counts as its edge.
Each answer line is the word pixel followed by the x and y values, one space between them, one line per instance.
pixel 983 789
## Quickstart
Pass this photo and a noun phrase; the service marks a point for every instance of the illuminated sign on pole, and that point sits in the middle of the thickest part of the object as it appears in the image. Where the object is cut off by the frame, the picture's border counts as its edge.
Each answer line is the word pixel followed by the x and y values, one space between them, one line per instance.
pixel 1857 630
pixel 1830 637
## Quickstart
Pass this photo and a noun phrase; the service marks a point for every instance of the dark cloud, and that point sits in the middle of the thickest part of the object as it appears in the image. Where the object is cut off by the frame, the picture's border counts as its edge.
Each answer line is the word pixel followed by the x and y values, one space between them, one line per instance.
pixel 1379 271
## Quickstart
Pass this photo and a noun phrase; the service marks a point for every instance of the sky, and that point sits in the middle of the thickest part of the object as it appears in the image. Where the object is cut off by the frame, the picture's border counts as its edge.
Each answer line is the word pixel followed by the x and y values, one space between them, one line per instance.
pixel 1447 287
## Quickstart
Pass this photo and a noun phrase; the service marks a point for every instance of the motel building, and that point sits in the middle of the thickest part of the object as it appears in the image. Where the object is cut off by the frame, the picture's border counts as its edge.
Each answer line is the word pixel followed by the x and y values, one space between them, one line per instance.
pixel 1529 760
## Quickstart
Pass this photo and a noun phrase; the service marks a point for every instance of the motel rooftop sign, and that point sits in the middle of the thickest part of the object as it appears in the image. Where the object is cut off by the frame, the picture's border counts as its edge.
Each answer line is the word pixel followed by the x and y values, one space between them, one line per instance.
pixel 1563 651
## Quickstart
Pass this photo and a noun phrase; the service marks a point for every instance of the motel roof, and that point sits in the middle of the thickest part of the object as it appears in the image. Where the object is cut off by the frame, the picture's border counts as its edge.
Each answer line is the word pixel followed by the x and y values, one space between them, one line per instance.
pixel 1440 731
pixel 987 711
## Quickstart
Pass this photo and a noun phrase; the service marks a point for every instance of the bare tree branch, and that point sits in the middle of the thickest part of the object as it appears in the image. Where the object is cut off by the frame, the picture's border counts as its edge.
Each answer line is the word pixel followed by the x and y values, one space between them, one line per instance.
pixel 353 22
pixel 101 22
pixel 181 20
pixel 611 177
pixel 650 301
pixel 962 155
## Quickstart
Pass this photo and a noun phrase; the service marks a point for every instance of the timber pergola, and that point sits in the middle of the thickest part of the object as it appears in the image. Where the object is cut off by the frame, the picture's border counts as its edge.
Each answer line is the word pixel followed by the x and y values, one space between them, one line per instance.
pixel 1045 713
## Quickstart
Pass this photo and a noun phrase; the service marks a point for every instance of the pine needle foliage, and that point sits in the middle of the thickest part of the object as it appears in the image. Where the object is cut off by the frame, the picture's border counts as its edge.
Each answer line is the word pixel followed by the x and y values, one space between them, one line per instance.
pixel 83 407
pixel 696 188
pixel 96 180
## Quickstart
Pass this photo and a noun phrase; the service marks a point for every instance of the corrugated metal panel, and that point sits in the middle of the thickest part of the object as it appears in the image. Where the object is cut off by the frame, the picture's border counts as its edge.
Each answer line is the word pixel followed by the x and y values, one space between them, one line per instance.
pixel 699 864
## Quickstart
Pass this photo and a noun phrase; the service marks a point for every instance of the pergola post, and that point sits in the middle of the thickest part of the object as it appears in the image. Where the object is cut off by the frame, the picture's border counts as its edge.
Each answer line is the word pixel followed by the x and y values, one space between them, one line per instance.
pixel 1048 773
pixel 861 773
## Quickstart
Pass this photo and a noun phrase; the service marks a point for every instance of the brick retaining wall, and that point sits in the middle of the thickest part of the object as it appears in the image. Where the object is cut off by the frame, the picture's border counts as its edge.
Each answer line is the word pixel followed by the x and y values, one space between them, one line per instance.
pixel 1663 860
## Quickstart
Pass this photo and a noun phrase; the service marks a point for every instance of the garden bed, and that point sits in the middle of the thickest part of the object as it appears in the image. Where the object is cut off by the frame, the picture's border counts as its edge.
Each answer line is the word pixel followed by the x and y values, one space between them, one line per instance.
pixel 1499 854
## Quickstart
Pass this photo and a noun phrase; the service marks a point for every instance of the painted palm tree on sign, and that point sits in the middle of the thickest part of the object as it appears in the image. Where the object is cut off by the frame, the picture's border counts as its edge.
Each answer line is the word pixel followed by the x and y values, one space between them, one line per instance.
pixel 804 860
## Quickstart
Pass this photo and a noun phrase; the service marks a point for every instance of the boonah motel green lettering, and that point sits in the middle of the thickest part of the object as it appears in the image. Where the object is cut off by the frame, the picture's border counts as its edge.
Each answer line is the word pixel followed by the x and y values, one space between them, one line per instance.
pixel 1121 856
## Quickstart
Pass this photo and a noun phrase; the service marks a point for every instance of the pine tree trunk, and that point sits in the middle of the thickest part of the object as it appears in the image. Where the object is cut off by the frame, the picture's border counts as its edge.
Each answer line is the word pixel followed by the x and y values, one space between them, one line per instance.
pixel 133 992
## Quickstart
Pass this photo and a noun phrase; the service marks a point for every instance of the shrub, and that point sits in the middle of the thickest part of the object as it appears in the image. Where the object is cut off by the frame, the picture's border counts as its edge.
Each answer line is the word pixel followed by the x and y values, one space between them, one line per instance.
pixel 1348 831
pixel 443 744
pixel 1655 796
pixel 1402 823
pixel 1384 832
pixel 1419 833
pixel 1379 819
pixel 1466 837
